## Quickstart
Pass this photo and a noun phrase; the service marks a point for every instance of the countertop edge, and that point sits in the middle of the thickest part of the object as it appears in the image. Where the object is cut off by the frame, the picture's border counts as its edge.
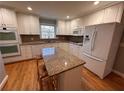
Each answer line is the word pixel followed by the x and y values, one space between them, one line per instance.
pixel 67 69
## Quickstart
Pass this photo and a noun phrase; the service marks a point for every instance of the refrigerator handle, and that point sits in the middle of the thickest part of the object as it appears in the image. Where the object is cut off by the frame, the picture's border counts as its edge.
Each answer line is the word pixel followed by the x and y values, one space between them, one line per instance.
pixel 93 40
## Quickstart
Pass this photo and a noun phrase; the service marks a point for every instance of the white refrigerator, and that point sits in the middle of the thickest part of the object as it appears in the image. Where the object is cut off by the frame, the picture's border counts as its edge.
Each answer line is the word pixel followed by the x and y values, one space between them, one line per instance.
pixel 100 45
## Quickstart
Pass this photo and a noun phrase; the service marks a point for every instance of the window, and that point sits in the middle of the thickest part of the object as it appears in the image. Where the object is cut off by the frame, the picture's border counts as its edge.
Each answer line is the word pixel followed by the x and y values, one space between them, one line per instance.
pixel 47 31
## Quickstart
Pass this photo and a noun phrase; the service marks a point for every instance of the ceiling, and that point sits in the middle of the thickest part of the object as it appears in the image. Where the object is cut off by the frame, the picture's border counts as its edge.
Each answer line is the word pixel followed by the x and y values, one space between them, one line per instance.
pixel 57 9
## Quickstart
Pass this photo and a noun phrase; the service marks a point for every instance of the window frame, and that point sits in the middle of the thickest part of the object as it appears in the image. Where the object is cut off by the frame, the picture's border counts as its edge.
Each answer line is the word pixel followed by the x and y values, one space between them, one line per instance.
pixel 47 25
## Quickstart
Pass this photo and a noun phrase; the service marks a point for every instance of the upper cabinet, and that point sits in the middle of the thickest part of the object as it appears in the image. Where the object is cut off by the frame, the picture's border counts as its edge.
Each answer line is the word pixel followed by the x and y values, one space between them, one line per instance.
pixel 95 18
pixel 60 27
pixel 76 23
pixel 113 14
pixel 63 27
pixel 28 24
pixel 35 25
pixel 7 18
pixel 68 27
pixel 108 15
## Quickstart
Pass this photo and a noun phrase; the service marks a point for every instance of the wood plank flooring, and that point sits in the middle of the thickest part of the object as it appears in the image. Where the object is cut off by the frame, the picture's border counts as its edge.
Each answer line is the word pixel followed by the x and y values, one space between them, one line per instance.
pixel 23 76
pixel 112 82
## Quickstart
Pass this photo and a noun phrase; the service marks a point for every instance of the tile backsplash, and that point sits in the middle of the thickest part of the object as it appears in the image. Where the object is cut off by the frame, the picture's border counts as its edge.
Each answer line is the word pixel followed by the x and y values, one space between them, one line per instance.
pixel 33 38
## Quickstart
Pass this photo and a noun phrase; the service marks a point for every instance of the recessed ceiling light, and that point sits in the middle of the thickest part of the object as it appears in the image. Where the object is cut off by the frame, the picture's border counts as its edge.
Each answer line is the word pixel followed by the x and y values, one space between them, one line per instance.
pixel 29 8
pixel 67 17
pixel 96 2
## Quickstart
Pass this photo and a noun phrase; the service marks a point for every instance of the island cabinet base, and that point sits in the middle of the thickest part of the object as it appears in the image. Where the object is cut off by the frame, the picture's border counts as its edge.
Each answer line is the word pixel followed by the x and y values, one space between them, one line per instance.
pixel 69 80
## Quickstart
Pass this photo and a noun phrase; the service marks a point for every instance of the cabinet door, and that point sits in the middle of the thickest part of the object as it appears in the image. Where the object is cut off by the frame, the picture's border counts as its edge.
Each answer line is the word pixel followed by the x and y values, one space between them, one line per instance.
pixel 35 26
pixel 68 28
pixel 23 23
pixel 9 17
pixel 1 19
pixel 120 12
pixel 61 28
pixel 113 14
pixel 26 52
pixel 74 24
pixel 73 49
pixel 96 18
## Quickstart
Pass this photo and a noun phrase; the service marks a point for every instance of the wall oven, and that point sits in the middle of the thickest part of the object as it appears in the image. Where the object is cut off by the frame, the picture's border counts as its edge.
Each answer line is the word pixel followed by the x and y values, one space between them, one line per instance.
pixel 9 50
pixel 8 35
pixel 9 43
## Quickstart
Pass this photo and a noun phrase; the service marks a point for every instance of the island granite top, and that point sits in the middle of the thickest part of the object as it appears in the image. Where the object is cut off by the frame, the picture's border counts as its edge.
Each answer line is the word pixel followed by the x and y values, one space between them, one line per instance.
pixel 57 60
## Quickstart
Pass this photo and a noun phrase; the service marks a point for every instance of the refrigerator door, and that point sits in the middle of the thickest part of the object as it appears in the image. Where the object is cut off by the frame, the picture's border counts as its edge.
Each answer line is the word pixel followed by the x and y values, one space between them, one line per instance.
pixel 89 36
pixel 103 41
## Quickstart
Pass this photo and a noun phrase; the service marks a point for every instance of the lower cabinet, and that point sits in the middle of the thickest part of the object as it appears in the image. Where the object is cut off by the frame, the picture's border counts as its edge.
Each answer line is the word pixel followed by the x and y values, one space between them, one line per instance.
pixel 26 53
pixel 31 51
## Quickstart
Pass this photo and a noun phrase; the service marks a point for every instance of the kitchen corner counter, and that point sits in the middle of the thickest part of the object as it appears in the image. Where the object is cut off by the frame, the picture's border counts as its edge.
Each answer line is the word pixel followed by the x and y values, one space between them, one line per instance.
pixel 58 61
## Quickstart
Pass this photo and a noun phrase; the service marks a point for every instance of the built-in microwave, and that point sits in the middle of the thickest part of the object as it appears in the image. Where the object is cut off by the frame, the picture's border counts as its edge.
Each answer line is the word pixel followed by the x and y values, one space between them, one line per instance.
pixel 10 49
pixel 8 35
pixel 78 32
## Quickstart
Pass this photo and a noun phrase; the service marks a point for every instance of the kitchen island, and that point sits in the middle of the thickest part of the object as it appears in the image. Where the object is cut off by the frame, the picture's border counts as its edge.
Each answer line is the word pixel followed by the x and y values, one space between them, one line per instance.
pixel 64 67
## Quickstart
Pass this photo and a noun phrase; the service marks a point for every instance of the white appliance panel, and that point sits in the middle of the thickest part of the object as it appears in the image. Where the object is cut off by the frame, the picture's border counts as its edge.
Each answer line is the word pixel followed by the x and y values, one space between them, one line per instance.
pixel 8 35
pixel 88 39
pixel 103 41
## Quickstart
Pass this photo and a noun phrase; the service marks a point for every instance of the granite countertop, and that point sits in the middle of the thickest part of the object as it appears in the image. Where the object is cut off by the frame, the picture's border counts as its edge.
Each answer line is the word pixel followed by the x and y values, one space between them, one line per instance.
pixel 57 60
pixel 41 42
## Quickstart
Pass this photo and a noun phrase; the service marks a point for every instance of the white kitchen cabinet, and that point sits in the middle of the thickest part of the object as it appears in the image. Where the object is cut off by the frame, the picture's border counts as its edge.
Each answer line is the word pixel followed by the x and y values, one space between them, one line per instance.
pixel 96 18
pixel 68 27
pixel 113 13
pixel 26 53
pixel 61 27
pixel 23 24
pixel 107 15
pixel 35 25
pixel 8 18
pixel 1 19
pixel 74 49
pixel 28 24
pixel 64 27
pixel 76 23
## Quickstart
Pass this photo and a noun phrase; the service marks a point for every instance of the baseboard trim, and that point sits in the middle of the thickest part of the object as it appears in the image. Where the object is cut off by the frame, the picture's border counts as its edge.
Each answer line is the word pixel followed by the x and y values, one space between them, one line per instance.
pixel 3 82
pixel 118 73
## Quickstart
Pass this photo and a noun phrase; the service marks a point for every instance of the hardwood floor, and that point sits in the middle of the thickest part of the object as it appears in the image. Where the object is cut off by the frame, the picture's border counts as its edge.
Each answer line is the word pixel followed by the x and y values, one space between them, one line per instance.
pixel 23 76
pixel 110 83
